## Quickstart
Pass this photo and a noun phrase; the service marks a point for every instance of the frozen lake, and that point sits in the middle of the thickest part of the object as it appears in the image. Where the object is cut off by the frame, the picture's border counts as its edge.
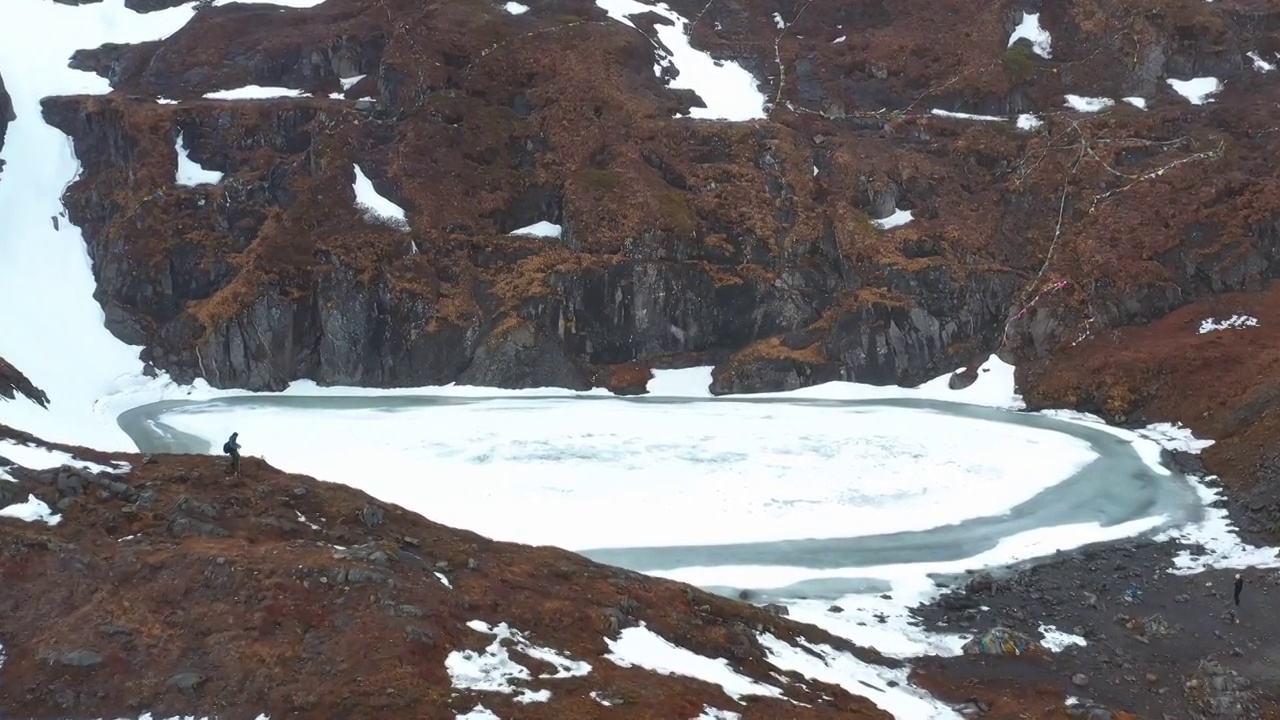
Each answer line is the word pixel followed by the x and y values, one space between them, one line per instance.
pixel 797 500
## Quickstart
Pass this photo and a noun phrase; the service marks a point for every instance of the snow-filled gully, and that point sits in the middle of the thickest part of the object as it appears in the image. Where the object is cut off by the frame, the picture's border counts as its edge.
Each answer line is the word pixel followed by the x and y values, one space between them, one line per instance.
pixel 753 508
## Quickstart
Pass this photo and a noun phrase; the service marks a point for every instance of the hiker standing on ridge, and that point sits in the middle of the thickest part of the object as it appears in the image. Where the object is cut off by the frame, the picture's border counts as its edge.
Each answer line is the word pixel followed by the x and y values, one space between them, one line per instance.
pixel 232 448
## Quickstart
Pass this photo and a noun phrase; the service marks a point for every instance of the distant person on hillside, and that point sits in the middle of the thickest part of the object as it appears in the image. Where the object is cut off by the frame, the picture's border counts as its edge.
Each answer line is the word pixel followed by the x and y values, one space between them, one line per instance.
pixel 232 448
pixel 1239 586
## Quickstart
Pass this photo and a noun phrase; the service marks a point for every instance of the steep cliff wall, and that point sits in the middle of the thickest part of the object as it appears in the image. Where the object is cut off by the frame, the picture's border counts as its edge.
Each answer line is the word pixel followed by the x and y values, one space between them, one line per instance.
pixel 748 245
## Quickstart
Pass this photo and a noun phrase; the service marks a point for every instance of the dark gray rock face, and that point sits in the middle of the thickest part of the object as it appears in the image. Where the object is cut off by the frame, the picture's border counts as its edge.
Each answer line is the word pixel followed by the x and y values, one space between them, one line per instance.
pixel 6 115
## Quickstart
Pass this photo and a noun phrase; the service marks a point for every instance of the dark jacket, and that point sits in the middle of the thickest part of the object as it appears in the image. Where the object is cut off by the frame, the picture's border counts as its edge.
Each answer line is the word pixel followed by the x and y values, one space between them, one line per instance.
pixel 231 447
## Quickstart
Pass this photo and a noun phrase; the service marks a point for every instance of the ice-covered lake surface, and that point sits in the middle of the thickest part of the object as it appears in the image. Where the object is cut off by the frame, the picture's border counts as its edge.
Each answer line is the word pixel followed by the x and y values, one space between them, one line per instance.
pixel 832 495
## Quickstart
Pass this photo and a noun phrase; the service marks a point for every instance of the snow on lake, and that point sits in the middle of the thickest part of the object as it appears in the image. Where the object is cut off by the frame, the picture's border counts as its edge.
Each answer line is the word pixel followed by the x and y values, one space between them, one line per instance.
pixel 714 473
pixel 727 89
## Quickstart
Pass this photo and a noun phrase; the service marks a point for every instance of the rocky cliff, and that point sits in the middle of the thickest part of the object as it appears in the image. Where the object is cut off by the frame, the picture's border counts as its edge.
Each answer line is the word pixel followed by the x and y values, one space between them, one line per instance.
pixel 14 383
pixel 6 116
pixel 749 245
pixel 167 586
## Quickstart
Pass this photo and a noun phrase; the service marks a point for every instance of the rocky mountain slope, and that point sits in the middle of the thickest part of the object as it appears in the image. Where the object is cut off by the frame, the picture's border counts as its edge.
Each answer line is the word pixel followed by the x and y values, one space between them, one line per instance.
pixel 178 589
pixel 750 244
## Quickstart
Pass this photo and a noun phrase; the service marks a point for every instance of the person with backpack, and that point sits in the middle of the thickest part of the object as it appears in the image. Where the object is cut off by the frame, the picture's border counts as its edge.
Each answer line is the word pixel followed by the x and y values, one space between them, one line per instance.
pixel 232 448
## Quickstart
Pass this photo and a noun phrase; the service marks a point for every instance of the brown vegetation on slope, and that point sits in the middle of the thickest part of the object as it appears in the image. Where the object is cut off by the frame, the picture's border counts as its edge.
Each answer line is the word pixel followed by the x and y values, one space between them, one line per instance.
pixel 176 589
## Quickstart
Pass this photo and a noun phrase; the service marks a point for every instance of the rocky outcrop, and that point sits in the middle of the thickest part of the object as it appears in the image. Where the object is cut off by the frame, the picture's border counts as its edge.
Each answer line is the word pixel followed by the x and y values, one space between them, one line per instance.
pixel 682 241
pixel 13 383
pixel 6 116
pixel 327 603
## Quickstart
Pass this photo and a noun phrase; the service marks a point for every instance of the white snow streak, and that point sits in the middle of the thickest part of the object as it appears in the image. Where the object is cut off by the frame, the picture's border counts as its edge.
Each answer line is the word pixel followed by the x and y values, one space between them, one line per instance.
pixel 858 677
pixel 375 206
pixel 641 647
pixel 254 92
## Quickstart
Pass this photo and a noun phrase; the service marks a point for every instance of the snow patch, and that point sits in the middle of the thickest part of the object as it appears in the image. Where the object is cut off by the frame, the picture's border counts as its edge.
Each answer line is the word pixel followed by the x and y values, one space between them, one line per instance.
pixel 1196 90
pixel 516 8
pixel 1138 102
pixel 1056 640
pixel 729 91
pixel 1221 545
pixel 494 671
pixel 840 39
pixel 303 519
pixel 887 688
pixel 190 173
pixel 33 510
pixel 710 713
pixel 444 580
pixel 1235 322
pixel 348 83
pixel 479 712
pixel 282 3
pixel 897 219
pixel 1088 104
pixel 777 20
pixel 966 116
pixel 1259 64
pixel 254 92
pixel 685 382
pixel 542 228
pixel 597 697
pixel 377 208
pixel 1027 121
pixel 641 647
pixel 1030 29
pixel 39 458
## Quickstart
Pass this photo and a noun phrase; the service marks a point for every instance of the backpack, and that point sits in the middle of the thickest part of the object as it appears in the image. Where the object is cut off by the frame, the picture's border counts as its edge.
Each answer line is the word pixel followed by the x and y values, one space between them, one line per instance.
pixel 228 448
